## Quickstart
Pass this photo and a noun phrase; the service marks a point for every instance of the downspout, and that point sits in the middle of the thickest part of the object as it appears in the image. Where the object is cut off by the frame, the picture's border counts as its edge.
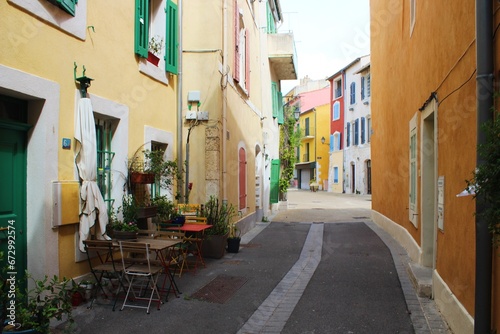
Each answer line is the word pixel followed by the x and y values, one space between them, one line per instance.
pixel 179 100
pixel 484 91
pixel 224 99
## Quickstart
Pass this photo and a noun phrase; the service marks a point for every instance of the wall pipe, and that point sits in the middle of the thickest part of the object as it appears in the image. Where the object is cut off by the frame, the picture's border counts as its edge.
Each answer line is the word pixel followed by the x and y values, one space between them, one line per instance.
pixel 225 73
pixel 179 99
pixel 484 91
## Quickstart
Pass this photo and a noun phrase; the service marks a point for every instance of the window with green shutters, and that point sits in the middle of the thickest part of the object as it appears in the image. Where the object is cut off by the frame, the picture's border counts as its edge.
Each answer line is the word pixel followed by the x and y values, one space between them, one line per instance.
pixel 172 38
pixel 143 23
pixel 275 178
pixel 271 25
pixel 68 6
pixel 277 103
pixel 141 27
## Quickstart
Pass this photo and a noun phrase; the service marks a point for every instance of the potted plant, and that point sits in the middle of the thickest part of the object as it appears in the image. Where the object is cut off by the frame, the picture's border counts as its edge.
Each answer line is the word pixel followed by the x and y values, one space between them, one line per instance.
pixel 234 239
pixel 126 228
pixel 219 215
pixel 156 44
pixel 313 185
pixel 167 213
pixel 34 308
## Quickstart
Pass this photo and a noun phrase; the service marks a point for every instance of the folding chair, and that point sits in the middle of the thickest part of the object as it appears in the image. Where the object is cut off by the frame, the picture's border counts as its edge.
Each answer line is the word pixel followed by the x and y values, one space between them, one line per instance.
pixel 140 272
pixel 103 265
pixel 176 259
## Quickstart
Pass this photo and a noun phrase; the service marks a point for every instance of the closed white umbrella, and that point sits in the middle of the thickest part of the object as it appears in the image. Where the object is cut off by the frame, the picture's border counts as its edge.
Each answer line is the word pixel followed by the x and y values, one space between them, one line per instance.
pixel 86 160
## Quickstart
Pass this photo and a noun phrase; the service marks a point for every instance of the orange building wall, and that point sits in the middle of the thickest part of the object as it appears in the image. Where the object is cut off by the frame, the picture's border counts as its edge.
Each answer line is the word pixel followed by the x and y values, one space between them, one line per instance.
pixel 438 57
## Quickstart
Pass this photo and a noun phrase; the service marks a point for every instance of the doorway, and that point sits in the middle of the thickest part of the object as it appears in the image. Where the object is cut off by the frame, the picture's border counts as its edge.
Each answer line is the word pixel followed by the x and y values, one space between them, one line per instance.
pixel 13 240
pixel 429 186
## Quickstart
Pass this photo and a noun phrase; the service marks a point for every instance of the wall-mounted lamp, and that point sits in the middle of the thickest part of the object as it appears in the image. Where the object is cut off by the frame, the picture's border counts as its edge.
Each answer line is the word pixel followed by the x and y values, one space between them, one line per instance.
pixel 296 114
pixel 323 141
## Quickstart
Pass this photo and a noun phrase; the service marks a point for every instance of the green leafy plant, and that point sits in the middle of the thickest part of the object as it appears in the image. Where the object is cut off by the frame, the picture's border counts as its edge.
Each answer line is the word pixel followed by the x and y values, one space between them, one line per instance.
pixel 289 141
pixel 166 209
pixel 156 44
pixel 219 214
pixel 128 209
pixel 486 178
pixel 48 299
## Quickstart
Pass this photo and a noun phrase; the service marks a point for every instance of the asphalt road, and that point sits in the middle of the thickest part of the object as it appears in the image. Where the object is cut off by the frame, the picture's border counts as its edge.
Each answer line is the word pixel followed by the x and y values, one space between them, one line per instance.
pixel 319 266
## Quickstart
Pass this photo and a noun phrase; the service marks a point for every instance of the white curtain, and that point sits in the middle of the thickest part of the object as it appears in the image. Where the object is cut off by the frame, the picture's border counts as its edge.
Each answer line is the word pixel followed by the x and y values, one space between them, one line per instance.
pixel 93 205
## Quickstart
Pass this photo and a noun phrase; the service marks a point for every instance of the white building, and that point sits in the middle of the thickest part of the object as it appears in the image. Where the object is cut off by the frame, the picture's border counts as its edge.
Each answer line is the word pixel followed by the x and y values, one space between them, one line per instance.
pixel 357 128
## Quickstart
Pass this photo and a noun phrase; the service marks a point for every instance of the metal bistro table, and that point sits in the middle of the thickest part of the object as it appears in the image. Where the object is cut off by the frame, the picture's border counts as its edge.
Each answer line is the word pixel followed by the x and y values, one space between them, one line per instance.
pixel 198 230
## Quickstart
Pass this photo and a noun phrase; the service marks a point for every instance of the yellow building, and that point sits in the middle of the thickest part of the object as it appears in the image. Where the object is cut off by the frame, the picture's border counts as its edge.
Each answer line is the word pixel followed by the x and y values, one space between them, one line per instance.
pixel 133 102
pixel 423 65
pixel 215 106
pixel 231 102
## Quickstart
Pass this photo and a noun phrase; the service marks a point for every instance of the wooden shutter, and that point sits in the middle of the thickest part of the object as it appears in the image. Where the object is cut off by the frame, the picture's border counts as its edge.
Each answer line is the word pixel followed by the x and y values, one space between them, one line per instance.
pixel 356 131
pixel 274 96
pixel 237 57
pixel 242 175
pixel 141 33
pixel 362 88
pixel 172 39
pixel 247 62
pixel 362 130
pixel 348 138
pixel 275 178
pixel 281 116
pixel 68 5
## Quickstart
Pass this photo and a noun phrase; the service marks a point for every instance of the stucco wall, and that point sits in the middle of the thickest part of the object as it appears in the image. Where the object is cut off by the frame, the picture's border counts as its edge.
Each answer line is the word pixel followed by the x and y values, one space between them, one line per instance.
pixel 437 56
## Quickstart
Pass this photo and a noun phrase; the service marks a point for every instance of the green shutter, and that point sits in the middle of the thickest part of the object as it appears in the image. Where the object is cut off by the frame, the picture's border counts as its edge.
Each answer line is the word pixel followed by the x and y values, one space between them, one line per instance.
pixel 281 117
pixel 172 38
pixel 271 25
pixel 274 95
pixel 141 27
pixel 275 178
pixel 68 6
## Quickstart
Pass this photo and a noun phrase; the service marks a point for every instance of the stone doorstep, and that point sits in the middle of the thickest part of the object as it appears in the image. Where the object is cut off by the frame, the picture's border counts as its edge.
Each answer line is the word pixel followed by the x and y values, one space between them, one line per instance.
pixel 421 278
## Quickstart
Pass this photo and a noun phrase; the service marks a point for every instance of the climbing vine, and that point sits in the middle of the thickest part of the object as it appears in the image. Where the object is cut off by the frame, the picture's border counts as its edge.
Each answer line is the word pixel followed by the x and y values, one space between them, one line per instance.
pixel 289 141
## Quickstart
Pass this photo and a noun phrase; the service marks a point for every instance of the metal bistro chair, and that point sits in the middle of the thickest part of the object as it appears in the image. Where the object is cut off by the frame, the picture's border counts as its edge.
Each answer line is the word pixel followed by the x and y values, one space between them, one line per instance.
pixel 103 265
pixel 175 257
pixel 141 273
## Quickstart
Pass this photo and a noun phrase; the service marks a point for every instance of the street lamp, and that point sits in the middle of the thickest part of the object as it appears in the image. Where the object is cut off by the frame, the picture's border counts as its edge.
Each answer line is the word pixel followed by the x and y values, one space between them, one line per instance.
pixel 296 114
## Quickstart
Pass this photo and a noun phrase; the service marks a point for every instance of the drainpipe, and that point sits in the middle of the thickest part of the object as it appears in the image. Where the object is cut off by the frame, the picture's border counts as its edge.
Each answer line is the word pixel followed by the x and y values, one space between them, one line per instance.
pixel 484 90
pixel 224 99
pixel 179 100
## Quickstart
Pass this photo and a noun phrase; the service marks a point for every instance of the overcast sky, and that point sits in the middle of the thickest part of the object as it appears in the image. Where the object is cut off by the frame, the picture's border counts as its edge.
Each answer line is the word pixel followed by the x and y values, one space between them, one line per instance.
pixel 328 35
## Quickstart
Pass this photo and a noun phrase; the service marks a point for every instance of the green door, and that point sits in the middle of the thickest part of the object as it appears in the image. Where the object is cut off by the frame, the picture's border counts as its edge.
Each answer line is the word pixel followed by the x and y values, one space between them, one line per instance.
pixel 13 197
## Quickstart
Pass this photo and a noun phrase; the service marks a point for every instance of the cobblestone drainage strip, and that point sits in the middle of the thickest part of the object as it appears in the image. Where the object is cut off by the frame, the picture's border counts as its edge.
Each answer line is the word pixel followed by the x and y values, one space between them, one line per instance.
pixel 220 289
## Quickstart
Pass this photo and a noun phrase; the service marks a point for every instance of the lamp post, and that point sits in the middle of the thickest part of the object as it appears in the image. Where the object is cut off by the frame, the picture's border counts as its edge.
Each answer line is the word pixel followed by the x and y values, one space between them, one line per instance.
pixel 296 114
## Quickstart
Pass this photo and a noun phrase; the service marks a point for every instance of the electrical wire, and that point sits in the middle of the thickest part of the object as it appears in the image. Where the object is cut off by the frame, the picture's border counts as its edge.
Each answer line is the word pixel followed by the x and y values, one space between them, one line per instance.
pixel 458 88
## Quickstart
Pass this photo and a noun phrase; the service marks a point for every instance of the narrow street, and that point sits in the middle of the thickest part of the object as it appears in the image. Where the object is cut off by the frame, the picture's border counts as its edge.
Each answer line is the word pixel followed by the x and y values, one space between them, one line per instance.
pixel 321 266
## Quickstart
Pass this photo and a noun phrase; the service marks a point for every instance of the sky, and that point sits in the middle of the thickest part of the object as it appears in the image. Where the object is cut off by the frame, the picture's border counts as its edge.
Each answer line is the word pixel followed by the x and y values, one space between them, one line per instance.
pixel 328 34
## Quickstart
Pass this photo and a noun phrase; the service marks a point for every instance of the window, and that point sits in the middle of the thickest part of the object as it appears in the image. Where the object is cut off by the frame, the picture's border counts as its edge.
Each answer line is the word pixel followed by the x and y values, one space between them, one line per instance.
pixel 338 88
pixel 336 110
pixel 241 72
pixel 68 6
pixel 353 93
pixel 413 172
pixel 335 174
pixel 271 25
pixel 356 131
pixel 151 22
pixel 306 125
pixel 105 155
pixel 156 187
pixel 368 85
pixel 336 141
